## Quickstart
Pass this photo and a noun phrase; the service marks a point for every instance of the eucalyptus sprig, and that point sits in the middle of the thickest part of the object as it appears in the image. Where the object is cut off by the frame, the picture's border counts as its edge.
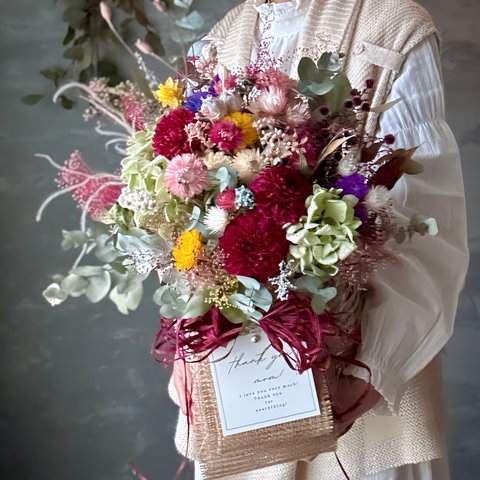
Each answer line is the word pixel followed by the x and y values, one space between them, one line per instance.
pixel 91 46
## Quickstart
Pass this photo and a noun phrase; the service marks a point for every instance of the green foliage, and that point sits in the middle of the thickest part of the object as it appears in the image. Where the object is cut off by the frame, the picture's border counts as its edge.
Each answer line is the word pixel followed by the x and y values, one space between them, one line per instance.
pixel 88 41
pixel 324 81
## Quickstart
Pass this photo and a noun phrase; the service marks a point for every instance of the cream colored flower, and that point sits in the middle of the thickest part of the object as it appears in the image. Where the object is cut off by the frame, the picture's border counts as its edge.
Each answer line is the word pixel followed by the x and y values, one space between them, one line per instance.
pixel 347 165
pixel 378 199
pixel 215 160
pixel 213 108
pixel 248 163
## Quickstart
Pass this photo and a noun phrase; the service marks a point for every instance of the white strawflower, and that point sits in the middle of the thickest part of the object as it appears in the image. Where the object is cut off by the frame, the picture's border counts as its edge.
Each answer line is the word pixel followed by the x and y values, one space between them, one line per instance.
pixel 297 114
pixel 216 220
pixel 378 199
pixel 231 100
pixel 248 163
pixel 213 108
pixel 347 165
pixel 215 160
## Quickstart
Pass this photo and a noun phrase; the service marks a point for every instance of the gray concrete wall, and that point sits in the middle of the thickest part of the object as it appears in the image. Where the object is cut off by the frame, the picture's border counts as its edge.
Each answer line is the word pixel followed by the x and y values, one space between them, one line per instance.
pixel 80 396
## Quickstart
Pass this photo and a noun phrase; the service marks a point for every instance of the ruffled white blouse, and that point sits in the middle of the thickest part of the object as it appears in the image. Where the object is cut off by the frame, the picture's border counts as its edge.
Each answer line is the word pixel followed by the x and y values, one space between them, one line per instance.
pixel 410 316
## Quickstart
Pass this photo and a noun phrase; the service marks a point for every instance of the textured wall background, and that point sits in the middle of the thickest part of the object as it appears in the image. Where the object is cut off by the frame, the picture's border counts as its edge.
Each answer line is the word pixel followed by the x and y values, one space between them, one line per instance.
pixel 80 395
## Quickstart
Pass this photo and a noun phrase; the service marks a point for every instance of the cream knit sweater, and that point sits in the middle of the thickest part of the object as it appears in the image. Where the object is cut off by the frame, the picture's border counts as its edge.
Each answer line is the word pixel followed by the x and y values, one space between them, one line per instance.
pixel 377 35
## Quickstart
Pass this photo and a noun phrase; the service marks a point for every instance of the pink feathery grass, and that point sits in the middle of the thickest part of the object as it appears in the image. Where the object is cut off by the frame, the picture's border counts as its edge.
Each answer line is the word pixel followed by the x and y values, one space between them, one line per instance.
pixel 132 112
pixel 92 193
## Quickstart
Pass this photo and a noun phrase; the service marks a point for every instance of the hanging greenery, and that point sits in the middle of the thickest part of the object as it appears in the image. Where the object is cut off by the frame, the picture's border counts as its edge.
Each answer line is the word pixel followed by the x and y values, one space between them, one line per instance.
pixel 96 29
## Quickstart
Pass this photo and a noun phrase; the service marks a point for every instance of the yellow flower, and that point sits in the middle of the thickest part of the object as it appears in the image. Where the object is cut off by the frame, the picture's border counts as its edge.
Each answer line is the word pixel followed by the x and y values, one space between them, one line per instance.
pixel 187 248
pixel 170 93
pixel 244 121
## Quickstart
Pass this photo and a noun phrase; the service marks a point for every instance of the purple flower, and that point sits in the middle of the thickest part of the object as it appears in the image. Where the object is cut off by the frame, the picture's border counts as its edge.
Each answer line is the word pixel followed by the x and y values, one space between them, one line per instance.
pixel 354 184
pixel 194 101
pixel 361 212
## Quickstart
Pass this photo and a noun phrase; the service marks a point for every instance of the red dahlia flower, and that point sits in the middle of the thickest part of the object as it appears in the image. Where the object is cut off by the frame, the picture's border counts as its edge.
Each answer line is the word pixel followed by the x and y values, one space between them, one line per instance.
pixel 280 194
pixel 253 246
pixel 170 138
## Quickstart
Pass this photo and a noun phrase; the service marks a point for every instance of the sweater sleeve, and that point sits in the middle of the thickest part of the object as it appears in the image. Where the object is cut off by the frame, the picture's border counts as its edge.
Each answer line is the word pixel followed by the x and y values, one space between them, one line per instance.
pixel 409 315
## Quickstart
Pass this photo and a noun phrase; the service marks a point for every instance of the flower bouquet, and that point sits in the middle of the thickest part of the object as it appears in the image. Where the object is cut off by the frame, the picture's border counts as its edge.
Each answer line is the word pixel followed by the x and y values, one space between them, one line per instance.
pixel 258 201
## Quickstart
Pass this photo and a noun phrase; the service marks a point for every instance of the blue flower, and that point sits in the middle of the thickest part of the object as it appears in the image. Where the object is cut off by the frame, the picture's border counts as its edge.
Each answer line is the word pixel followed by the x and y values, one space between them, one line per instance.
pixel 244 198
pixel 194 101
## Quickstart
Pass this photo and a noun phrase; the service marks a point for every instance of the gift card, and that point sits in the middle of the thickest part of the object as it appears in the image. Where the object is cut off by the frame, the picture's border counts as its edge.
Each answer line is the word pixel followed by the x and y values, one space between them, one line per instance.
pixel 255 387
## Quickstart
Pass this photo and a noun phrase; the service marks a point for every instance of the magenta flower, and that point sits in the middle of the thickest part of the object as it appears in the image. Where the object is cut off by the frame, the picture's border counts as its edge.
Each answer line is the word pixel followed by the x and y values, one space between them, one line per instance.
pixel 226 200
pixel 226 135
pixel 170 138
pixel 186 176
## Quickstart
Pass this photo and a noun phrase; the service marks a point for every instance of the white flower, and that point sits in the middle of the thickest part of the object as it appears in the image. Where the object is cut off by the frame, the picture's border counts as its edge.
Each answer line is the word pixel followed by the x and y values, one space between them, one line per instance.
pixel 347 165
pixel 213 108
pixel 297 114
pixel 216 220
pixel 272 100
pixel 232 101
pixel 248 163
pixel 378 199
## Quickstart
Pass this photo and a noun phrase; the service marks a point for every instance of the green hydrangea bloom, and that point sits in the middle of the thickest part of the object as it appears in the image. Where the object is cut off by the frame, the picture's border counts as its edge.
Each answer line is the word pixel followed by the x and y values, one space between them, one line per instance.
pixel 143 170
pixel 326 235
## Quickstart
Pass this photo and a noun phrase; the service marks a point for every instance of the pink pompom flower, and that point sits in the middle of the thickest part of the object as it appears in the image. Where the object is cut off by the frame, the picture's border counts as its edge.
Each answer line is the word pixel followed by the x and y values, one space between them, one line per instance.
pixel 226 135
pixel 186 176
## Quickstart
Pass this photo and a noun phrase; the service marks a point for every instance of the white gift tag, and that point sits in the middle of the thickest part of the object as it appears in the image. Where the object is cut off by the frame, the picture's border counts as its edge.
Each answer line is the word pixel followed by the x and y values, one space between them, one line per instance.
pixel 255 388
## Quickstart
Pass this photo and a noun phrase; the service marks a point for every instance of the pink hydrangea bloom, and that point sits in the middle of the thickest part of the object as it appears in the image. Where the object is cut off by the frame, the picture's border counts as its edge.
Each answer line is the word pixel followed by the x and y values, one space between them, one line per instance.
pixel 186 176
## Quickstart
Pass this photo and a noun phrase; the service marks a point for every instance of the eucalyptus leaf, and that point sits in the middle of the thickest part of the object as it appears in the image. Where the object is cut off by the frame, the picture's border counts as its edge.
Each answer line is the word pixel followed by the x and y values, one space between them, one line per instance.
pixel 154 41
pixel 69 36
pixel 193 21
pixel 322 88
pixel 32 98
pixel 249 282
pixel 74 285
pixel 197 305
pixel 54 294
pixel 183 3
pixel 262 298
pixel 88 270
pixel 432 226
pixel 128 300
pixel 234 315
pixel 74 53
pixel 74 239
pixel 307 70
pixel 227 177
pixel 67 104
pixel 318 304
pixel 98 287
pixel 75 17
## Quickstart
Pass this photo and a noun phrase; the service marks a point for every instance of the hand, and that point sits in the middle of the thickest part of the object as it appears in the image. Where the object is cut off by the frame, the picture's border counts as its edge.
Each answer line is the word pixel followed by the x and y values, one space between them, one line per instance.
pixel 182 381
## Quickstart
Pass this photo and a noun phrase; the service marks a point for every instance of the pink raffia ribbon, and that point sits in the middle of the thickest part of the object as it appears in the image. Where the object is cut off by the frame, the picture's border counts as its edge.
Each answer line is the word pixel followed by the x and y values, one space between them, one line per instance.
pixel 294 323
pixel 200 336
